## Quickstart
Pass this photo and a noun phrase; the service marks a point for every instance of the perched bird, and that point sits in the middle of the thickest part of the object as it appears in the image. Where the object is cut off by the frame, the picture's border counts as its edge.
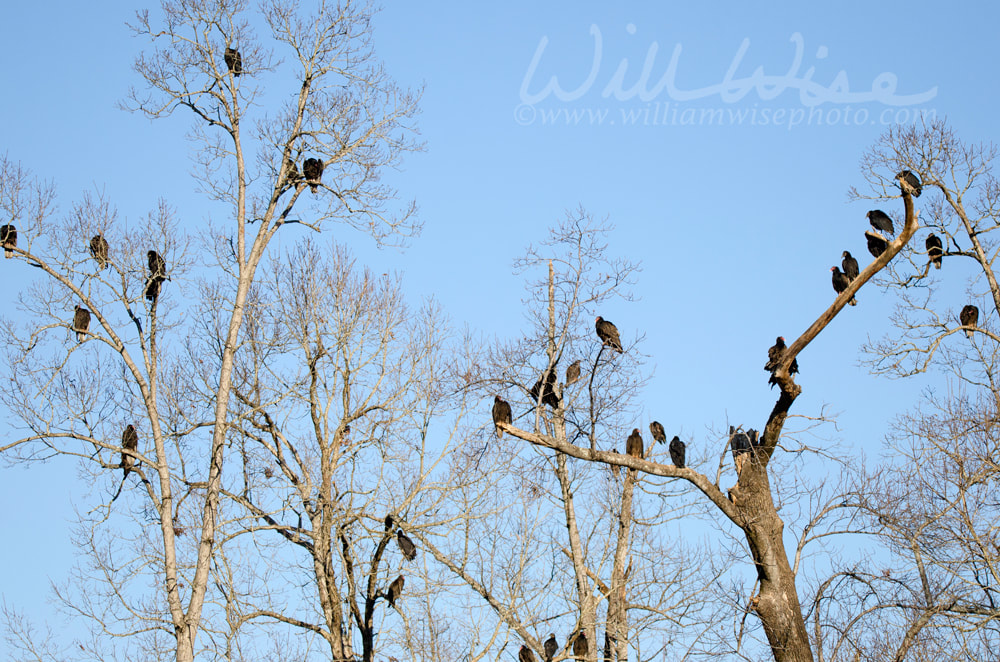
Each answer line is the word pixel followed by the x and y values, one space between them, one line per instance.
pixel 99 250
pixel 934 249
pixel 774 356
pixel 912 182
pixel 548 391
pixel 970 318
pixel 573 373
pixel 656 430
pixel 313 170
pixel 8 237
pixel 551 647
pixel 876 243
pixel 234 61
pixel 525 655
pixel 580 646
pixel 406 545
pixel 840 283
pixel 395 590
pixel 739 442
pixel 157 274
pixel 677 452
pixel 880 221
pixel 849 265
pixel 501 414
pixel 633 446
pixel 130 442
pixel 608 333
pixel 81 322
pixel 388 522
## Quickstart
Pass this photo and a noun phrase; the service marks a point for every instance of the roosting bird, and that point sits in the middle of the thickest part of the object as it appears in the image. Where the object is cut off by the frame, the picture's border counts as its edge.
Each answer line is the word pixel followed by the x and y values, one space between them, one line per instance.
pixel 678 450
pixel 912 181
pixel 395 590
pixel 99 250
pixel 774 356
pixel 970 318
pixel 754 438
pixel 739 442
pixel 841 283
pixel 8 237
pixel 525 655
pixel 313 170
pixel 81 322
pixel 388 522
pixel 130 442
pixel 608 333
pixel 406 545
pixel 880 221
pixel 633 445
pixel 659 435
pixel 157 274
pixel 234 61
pixel 501 414
pixel 580 646
pixel 934 249
pixel 573 373
pixel 876 243
pixel 850 265
pixel 551 647
pixel 548 393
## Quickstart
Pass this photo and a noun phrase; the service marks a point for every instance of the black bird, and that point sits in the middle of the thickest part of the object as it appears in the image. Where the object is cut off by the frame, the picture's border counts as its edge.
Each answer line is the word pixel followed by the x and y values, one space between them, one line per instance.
pixel 739 442
pixel 388 522
pixel 99 250
pixel 876 243
pixel 313 170
pixel 880 221
pixel 551 647
pixel 656 429
pixel 234 61
pixel 157 274
pixel 677 452
pixel 608 333
pixel 406 545
pixel 548 392
pixel 849 265
pixel 970 318
pixel 934 249
pixel 580 646
pixel 573 373
pixel 912 181
pixel 525 655
pixel 130 442
pixel 840 283
pixel 81 322
pixel 774 356
pixel 8 237
pixel 633 445
pixel 395 590
pixel 501 414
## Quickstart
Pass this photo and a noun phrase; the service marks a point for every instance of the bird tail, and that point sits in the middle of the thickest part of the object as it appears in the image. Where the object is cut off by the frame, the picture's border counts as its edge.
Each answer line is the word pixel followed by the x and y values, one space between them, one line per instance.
pixel 7 253
pixel 313 188
pixel 968 334
pixel 937 264
pixel 853 302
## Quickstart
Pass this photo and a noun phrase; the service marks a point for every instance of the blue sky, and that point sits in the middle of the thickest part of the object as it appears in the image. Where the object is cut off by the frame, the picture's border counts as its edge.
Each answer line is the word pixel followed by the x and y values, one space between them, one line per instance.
pixel 735 222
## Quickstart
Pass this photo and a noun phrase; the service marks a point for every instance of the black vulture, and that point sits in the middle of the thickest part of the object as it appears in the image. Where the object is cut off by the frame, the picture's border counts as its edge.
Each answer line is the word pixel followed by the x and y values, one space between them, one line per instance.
pixel 876 243
pixel 395 590
pixel 551 647
pixel 912 182
pixel 81 322
pixel 130 442
pixel 880 221
pixel 608 333
pixel 934 249
pixel 659 435
pixel 234 61
pixel 157 274
pixel 406 545
pixel 525 655
pixel 99 250
pixel 548 393
pixel 580 646
pixel 388 522
pixel 573 373
pixel 969 317
pixel 678 451
pixel 841 283
pixel 774 356
pixel 739 442
pixel 633 445
pixel 8 237
pixel 313 170
pixel 850 265
pixel 501 414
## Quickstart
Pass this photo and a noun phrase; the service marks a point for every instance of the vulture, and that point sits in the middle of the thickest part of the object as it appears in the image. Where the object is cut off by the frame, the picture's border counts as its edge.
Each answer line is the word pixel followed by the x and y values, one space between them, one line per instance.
pixel 840 283
pixel 774 356
pixel 406 545
pixel 912 182
pixel 395 590
pixel 739 442
pixel 313 170
pixel 99 250
pixel 548 391
pixel 849 265
pixel 633 446
pixel 234 61
pixel 608 333
pixel 8 237
pixel 656 429
pixel 81 322
pixel 876 243
pixel 677 452
pixel 969 317
pixel 501 414
pixel 551 647
pixel 130 442
pixel 525 655
pixel 573 373
pixel 880 221
pixel 157 274
pixel 580 646
pixel 934 249
pixel 388 522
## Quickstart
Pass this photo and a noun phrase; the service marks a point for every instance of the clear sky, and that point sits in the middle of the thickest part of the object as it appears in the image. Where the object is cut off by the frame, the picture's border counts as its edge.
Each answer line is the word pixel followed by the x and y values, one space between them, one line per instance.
pixel 725 168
